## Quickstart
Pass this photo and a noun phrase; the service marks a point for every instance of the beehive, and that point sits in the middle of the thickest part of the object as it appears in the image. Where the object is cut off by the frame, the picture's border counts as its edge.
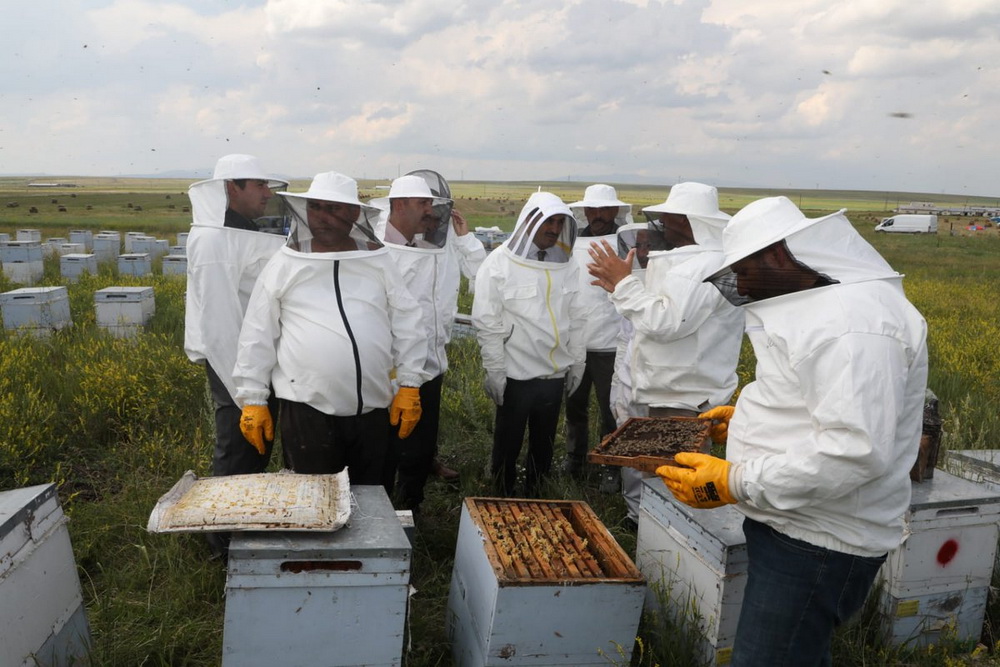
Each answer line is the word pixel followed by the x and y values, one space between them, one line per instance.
pixel 123 311
pixel 36 310
pixel 540 582
pixel 696 564
pixel 84 236
pixel 319 597
pixel 175 265
pixel 34 235
pixel 135 264
pixel 41 603
pixel 937 580
pixel 74 265
pixel 107 246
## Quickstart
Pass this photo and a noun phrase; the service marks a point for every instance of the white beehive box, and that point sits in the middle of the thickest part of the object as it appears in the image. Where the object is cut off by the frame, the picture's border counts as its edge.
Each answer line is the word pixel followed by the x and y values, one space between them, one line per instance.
pixel 70 249
pixel 51 246
pixel 936 581
pixel 123 311
pixel 696 564
pixel 36 310
pixel 320 598
pixel 182 238
pixel 74 265
pixel 981 466
pixel 177 250
pixel 4 238
pixel 107 246
pixel 130 238
pixel 23 261
pixel 28 235
pixel 175 265
pixel 84 236
pixel 42 615
pixel 135 264
pixel 556 592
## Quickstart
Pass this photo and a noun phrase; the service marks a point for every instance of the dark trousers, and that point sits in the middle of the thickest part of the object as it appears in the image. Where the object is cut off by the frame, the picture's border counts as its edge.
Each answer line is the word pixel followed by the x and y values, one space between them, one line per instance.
pixel 532 405
pixel 233 454
pixel 316 443
pixel 409 460
pixel 796 594
pixel 600 367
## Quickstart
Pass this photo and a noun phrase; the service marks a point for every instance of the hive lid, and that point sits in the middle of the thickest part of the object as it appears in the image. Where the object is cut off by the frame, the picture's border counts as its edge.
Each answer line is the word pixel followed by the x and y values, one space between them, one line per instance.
pixel 268 501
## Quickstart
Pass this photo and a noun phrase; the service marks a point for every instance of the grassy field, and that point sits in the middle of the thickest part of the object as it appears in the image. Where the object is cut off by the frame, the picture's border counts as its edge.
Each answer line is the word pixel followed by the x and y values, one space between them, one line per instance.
pixel 115 422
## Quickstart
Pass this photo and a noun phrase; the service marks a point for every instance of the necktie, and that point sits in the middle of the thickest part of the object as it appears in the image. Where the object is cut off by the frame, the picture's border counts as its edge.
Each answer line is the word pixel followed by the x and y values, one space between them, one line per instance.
pixel 411 244
pixel 541 255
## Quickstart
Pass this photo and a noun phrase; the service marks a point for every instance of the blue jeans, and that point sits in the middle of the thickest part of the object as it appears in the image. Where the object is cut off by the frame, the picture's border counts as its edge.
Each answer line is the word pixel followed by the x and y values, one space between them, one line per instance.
pixel 796 594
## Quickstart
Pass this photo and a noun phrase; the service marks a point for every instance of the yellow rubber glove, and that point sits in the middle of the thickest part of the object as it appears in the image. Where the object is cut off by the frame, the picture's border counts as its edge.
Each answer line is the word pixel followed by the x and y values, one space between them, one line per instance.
pixel 405 410
pixel 257 425
pixel 720 417
pixel 703 485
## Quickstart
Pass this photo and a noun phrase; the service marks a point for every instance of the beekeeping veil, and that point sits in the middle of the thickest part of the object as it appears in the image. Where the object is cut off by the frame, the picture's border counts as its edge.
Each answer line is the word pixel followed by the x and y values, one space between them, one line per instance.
pixel 336 188
pixel 828 246
pixel 443 203
pixel 600 196
pixel 209 199
pixel 422 183
pixel 700 203
pixel 540 207
pixel 634 235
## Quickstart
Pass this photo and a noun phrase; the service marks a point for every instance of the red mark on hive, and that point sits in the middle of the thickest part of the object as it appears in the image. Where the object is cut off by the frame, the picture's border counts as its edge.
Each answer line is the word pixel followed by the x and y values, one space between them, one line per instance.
pixel 947 552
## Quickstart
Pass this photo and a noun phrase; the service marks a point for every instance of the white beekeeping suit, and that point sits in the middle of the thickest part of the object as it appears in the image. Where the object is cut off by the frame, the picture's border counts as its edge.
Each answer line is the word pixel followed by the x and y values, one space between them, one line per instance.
pixel 623 403
pixel 599 315
pixel 327 328
pixel 687 338
pixel 523 305
pixel 823 440
pixel 222 266
pixel 432 266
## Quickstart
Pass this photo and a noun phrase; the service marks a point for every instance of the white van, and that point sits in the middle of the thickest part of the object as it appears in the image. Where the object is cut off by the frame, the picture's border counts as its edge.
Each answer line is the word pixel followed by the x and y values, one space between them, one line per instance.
pixel 914 223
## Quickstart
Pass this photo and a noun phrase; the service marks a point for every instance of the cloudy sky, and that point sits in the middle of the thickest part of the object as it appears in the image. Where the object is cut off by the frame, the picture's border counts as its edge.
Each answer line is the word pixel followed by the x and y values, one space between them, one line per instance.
pixel 858 94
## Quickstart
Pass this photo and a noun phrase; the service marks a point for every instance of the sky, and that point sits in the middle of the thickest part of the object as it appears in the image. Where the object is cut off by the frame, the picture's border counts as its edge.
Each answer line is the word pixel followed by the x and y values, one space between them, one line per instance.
pixel 895 95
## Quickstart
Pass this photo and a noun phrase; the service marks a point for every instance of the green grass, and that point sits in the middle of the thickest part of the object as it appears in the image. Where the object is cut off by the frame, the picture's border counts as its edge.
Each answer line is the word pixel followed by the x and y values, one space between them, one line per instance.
pixel 116 422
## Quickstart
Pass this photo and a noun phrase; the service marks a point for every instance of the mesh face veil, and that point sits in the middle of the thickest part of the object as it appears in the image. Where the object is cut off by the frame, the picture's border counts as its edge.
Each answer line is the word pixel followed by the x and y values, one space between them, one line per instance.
pixel 541 210
pixel 435 235
pixel 759 276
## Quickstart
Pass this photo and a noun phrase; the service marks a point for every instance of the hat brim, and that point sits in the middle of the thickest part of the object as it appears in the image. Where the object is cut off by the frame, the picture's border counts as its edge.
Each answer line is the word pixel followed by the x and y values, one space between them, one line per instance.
pixel 597 203
pixel 731 258
pixel 717 216
pixel 330 198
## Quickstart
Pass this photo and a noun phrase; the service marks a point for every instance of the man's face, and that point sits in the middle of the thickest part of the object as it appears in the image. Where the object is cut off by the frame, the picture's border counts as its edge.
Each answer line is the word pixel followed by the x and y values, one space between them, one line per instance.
pixel 642 248
pixel 762 274
pixel 601 219
pixel 251 200
pixel 412 215
pixel 676 230
pixel 330 222
pixel 549 231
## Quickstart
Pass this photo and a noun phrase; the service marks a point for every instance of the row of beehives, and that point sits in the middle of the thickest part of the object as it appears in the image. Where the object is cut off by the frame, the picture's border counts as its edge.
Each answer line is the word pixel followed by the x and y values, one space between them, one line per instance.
pixel 23 259
pixel 122 311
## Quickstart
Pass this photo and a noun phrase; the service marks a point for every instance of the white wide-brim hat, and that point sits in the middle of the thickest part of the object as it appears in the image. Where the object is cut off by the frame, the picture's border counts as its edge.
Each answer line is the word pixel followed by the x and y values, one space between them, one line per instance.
pixel 238 166
pixel 408 186
pixel 331 186
pixel 693 200
pixel 760 224
pixel 599 195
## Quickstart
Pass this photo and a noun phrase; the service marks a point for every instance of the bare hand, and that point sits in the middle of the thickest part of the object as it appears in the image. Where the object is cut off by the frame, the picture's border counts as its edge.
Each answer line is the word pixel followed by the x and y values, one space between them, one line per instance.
pixel 607 267
pixel 458 223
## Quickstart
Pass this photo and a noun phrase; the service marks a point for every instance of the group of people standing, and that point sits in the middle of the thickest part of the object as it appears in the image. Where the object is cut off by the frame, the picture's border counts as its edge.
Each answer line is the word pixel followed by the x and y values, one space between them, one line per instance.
pixel 341 328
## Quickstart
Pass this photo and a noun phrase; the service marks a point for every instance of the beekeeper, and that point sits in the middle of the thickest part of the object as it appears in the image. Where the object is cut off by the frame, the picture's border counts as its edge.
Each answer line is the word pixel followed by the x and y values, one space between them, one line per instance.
pixel 687 335
pixel 431 246
pixel 598 215
pixel 328 321
pixel 225 253
pixel 531 345
pixel 821 443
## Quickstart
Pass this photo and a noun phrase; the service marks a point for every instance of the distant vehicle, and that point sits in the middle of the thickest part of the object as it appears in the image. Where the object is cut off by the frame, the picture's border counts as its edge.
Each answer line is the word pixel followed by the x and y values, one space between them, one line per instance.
pixel 922 223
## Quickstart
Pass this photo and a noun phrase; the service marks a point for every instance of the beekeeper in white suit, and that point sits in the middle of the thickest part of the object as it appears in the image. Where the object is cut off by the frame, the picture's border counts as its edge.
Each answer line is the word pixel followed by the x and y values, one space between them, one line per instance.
pixel 687 335
pixel 225 254
pixel 531 344
pixel 821 443
pixel 328 321
pixel 430 243
pixel 598 215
